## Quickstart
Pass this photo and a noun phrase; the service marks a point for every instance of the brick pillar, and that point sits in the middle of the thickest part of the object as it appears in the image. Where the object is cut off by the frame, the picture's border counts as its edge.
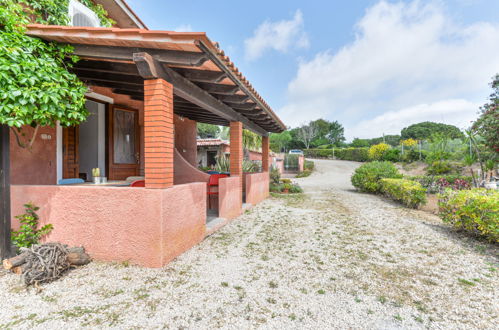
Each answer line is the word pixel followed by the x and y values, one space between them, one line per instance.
pixel 158 133
pixel 236 150
pixel 265 153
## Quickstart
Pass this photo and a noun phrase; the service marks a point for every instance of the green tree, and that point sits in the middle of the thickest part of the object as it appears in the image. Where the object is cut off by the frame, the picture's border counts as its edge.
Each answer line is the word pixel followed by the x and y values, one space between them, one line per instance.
pixel 36 88
pixel 487 124
pixel 206 131
pixel 424 131
pixel 359 143
pixel 279 141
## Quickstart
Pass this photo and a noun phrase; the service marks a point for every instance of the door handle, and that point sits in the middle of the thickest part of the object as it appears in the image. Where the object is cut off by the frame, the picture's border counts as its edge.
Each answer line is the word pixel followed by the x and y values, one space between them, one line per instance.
pixel 137 158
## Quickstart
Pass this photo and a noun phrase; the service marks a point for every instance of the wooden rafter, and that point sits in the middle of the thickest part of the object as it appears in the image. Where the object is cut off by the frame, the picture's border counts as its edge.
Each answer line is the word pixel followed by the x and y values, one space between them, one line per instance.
pixel 150 68
pixel 172 57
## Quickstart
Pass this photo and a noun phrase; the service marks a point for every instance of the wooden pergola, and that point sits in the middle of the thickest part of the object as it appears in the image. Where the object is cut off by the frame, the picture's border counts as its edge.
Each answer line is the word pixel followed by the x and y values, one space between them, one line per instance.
pixel 208 88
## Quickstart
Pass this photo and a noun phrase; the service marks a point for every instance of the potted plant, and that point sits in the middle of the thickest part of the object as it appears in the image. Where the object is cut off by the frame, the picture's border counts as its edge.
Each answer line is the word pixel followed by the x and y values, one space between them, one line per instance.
pixel 286 187
pixel 96 175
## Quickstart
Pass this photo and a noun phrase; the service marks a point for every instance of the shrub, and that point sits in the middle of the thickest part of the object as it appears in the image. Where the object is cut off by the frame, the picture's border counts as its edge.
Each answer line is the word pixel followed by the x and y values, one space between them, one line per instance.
pixel 276 188
pixel 412 155
pixel 309 165
pixel 475 210
pixel 29 234
pixel 410 193
pixel 377 151
pixel 439 167
pixel 295 189
pixel 353 154
pixel 275 175
pixel 303 174
pixel 366 177
pixel 438 183
pixel 392 155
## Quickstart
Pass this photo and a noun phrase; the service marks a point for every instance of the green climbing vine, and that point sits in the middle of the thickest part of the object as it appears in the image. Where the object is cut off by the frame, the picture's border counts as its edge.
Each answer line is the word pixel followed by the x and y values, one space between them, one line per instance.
pixel 36 88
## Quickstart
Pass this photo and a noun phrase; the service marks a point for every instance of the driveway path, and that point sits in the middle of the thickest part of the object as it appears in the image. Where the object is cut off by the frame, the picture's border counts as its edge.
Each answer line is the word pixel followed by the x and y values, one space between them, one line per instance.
pixel 330 258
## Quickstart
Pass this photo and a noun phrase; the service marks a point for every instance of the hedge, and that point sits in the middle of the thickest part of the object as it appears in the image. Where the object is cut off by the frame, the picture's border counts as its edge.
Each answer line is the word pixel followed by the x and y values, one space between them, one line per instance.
pixel 475 210
pixel 409 193
pixel 353 154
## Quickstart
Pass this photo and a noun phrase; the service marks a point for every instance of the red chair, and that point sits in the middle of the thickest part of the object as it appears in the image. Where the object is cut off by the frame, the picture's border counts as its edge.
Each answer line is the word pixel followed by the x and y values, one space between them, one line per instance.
pixel 138 183
pixel 213 182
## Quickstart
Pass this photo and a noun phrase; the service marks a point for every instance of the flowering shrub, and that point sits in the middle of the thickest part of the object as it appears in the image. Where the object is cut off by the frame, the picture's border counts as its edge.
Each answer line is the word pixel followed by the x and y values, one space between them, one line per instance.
pixel 475 210
pixel 409 142
pixel 377 151
pixel 366 177
pixel 438 183
pixel 409 193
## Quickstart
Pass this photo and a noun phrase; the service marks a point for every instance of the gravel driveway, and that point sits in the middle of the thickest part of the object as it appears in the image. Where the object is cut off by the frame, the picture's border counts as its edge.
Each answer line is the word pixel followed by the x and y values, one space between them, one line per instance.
pixel 330 258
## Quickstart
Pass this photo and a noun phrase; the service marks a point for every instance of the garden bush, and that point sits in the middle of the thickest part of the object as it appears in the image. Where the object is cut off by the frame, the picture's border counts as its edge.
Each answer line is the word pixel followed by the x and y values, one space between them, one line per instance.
pixel 438 183
pixel 410 193
pixel 309 165
pixel 366 177
pixel 392 155
pixel 475 210
pixel 304 174
pixel 353 154
pixel 439 167
pixel 377 151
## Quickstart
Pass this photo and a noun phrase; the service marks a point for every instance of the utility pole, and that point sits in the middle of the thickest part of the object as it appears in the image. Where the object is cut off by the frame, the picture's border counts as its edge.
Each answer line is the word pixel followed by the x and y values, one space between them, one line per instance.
pixel 5 246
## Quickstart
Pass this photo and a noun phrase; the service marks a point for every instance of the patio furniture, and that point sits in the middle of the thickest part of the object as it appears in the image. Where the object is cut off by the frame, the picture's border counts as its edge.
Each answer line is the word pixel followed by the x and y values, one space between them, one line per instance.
pixel 213 182
pixel 70 181
pixel 138 183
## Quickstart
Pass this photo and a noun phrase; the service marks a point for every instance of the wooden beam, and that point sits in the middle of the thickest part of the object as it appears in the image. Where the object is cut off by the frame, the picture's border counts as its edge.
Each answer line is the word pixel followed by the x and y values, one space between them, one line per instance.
pixel 215 59
pixel 172 57
pixel 239 99
pixel 104 76
pixel 194 94
pixel 202 75
pixel 242 106
pixel 107 67
pixel 123 86
pixel 218 89
pixel 5 244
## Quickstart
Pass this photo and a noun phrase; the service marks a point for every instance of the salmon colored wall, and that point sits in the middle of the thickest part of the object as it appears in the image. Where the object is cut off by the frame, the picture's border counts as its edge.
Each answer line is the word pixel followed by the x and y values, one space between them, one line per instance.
pixel 148 227
pixel 257 187
pixel 301 163
pixel 184 172
pixel 230 201
pixel 37 165
pixel 186 139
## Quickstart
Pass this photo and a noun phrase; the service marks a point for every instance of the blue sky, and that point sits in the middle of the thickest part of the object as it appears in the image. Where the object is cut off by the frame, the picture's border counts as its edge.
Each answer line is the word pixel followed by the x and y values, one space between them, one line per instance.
pixel 375 66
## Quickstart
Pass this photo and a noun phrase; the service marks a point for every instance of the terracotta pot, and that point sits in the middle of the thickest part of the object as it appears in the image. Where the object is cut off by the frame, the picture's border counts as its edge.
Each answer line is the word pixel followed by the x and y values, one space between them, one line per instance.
pixel 285 191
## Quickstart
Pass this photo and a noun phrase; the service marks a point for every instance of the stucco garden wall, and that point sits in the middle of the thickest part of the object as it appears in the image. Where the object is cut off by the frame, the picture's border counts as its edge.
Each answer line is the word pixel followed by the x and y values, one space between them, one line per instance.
pixel 37 165
pixel 184 172
pixel 257 187
pixel 148 227
pixel 230 201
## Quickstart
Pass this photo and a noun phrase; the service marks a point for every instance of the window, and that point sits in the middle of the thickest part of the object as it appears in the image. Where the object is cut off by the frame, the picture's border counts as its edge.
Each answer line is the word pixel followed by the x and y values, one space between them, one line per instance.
pixel 81 15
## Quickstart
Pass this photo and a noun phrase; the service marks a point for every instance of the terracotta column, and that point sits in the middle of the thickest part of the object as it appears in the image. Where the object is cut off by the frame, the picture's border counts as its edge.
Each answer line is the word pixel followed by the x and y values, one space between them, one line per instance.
pixel 158 133
pixel 265 153
pixel 236 150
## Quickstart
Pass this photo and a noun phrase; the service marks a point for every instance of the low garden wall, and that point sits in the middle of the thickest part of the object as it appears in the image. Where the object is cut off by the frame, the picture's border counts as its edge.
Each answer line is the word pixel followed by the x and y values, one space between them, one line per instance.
pixel 147 227
pixel 257 187
pixel 230 199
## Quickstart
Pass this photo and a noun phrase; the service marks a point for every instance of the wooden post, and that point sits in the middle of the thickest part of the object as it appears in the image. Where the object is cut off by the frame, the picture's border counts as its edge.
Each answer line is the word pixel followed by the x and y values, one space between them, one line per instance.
pixel 5 248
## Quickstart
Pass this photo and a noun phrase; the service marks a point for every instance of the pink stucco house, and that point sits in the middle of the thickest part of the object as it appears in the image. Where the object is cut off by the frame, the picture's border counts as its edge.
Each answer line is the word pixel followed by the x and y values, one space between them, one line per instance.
pixel 147 90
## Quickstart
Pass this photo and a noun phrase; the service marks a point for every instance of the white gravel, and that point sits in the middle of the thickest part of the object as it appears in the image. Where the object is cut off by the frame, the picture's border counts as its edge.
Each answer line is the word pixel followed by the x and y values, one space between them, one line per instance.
pixel 332 258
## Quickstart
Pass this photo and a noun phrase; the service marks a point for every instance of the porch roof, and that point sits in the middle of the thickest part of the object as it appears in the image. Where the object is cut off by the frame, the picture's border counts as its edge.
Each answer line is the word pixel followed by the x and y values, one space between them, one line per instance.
pixel 211 142
pixel 208 87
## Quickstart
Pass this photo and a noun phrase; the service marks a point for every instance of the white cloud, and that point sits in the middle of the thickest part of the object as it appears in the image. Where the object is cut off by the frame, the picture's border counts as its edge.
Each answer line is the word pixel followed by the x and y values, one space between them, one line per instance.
pixel 455 112
pixel 183 28
pixel 280 36
pixel 406 57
